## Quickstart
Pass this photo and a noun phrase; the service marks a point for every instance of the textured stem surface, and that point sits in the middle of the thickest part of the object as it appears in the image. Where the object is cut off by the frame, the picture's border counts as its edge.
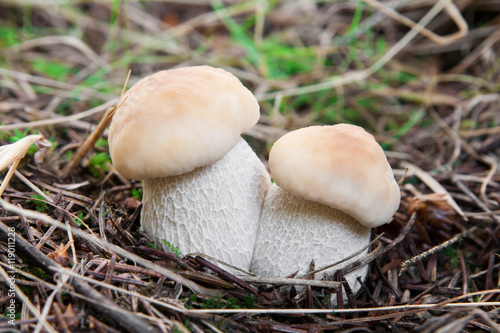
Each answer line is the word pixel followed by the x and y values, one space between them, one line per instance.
pixel 294 231
pixel 214 209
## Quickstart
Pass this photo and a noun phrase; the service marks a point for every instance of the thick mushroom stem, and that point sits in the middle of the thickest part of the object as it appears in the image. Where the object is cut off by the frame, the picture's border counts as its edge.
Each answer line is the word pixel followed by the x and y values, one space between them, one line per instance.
pixel 293 231
pixel 213 209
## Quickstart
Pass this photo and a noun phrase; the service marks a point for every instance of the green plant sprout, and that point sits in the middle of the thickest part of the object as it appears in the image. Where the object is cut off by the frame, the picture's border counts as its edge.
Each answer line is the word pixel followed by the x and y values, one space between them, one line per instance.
pixel 250 302
pixel 8 36
pixel 137 193
pixel 40 203
pixel 414 118
pixel 174 249
pixel 152 245
pixel 17 135
pixel 102 143
pixel 79 219
pixel 99 162
pixel 53 69
pixel 217 302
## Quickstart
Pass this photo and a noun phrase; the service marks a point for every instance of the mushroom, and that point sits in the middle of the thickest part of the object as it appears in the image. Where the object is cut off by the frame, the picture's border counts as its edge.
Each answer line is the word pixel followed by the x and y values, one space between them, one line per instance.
pixel 332 185
pixel 203 186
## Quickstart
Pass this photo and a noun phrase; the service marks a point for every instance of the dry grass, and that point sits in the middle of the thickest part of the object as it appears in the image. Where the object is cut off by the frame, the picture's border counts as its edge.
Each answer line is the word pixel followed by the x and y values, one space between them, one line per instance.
pixel 422 76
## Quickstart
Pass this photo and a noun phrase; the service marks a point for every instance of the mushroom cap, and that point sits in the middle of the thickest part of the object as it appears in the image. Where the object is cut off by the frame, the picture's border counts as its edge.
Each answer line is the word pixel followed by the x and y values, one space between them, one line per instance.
pixel 341 166
pixel 174 121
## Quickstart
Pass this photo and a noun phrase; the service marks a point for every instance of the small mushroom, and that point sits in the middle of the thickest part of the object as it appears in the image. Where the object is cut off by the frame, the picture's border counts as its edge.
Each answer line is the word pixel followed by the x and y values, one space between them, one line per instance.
pixel 179 131
pixel 332 184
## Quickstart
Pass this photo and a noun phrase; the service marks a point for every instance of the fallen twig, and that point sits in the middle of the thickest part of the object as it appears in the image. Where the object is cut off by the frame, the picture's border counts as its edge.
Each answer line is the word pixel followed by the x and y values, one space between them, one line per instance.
pixel 93 239
pixel 290 282
pixel 89 143
pixel 122 317
pixel 224 274
pixel 406 263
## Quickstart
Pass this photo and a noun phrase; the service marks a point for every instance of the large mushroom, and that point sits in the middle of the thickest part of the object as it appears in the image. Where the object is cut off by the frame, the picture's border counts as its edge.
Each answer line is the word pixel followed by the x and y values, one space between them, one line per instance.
pixel 332 185
pixel 179 131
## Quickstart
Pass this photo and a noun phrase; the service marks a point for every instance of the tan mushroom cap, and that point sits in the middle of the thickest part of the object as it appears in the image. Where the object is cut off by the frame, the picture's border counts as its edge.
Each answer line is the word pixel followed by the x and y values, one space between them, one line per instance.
pixel 341 166
pixel 174 121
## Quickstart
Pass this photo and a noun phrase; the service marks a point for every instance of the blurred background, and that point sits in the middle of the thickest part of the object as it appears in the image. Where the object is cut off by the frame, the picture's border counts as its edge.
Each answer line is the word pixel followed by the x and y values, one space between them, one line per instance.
pixel 423 76
pixel 308 62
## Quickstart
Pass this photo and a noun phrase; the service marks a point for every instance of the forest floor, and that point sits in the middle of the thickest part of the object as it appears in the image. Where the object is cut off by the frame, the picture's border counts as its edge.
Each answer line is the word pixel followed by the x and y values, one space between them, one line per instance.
pixel 422 76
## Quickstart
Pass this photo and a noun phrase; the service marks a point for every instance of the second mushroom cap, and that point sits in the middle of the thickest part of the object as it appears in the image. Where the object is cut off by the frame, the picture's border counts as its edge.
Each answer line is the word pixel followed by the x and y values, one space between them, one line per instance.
pixel 341 166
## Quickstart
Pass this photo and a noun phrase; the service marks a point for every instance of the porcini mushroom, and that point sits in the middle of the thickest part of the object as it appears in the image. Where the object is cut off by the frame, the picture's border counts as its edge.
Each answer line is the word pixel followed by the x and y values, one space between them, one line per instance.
pixel 332 185
pixel 179 131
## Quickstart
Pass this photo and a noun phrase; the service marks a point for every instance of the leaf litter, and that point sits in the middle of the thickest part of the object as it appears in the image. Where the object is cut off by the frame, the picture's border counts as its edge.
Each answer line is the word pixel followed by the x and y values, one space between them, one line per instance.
pixel 82 262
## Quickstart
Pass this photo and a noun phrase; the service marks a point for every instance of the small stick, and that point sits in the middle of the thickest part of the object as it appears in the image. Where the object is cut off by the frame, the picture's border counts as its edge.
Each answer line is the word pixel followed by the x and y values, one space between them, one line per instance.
pixel 60 120
pixel 19 292
pixel 343 260
pixel 224 274
pixel 212 259
pixel 463 270
pixel 24 322
pixel 102 223
pixel 288 282
pixel 26 226
pixel 89 143
pixel 402 233
pixel 45 238
pixel 91 239
pixel 60 319
pixel 474 198
pixel 127 268
pixel 61 281
pixel 414 253
pixel 165 302
pixel 169 256
pixel 450 8
pixel 52 228
pixel 32 186
pixel 312 268
pixel 8 176
pixel 309 297
pixel 489 275
pixel 493 169
pixel 406 263
pixel 340 293
pixel 109 308
pixel 402 179
pixel 367 291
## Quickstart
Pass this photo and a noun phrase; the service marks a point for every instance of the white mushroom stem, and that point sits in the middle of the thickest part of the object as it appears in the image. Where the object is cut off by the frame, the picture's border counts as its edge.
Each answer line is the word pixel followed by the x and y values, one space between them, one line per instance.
pixel 293 231
pixel 213 209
